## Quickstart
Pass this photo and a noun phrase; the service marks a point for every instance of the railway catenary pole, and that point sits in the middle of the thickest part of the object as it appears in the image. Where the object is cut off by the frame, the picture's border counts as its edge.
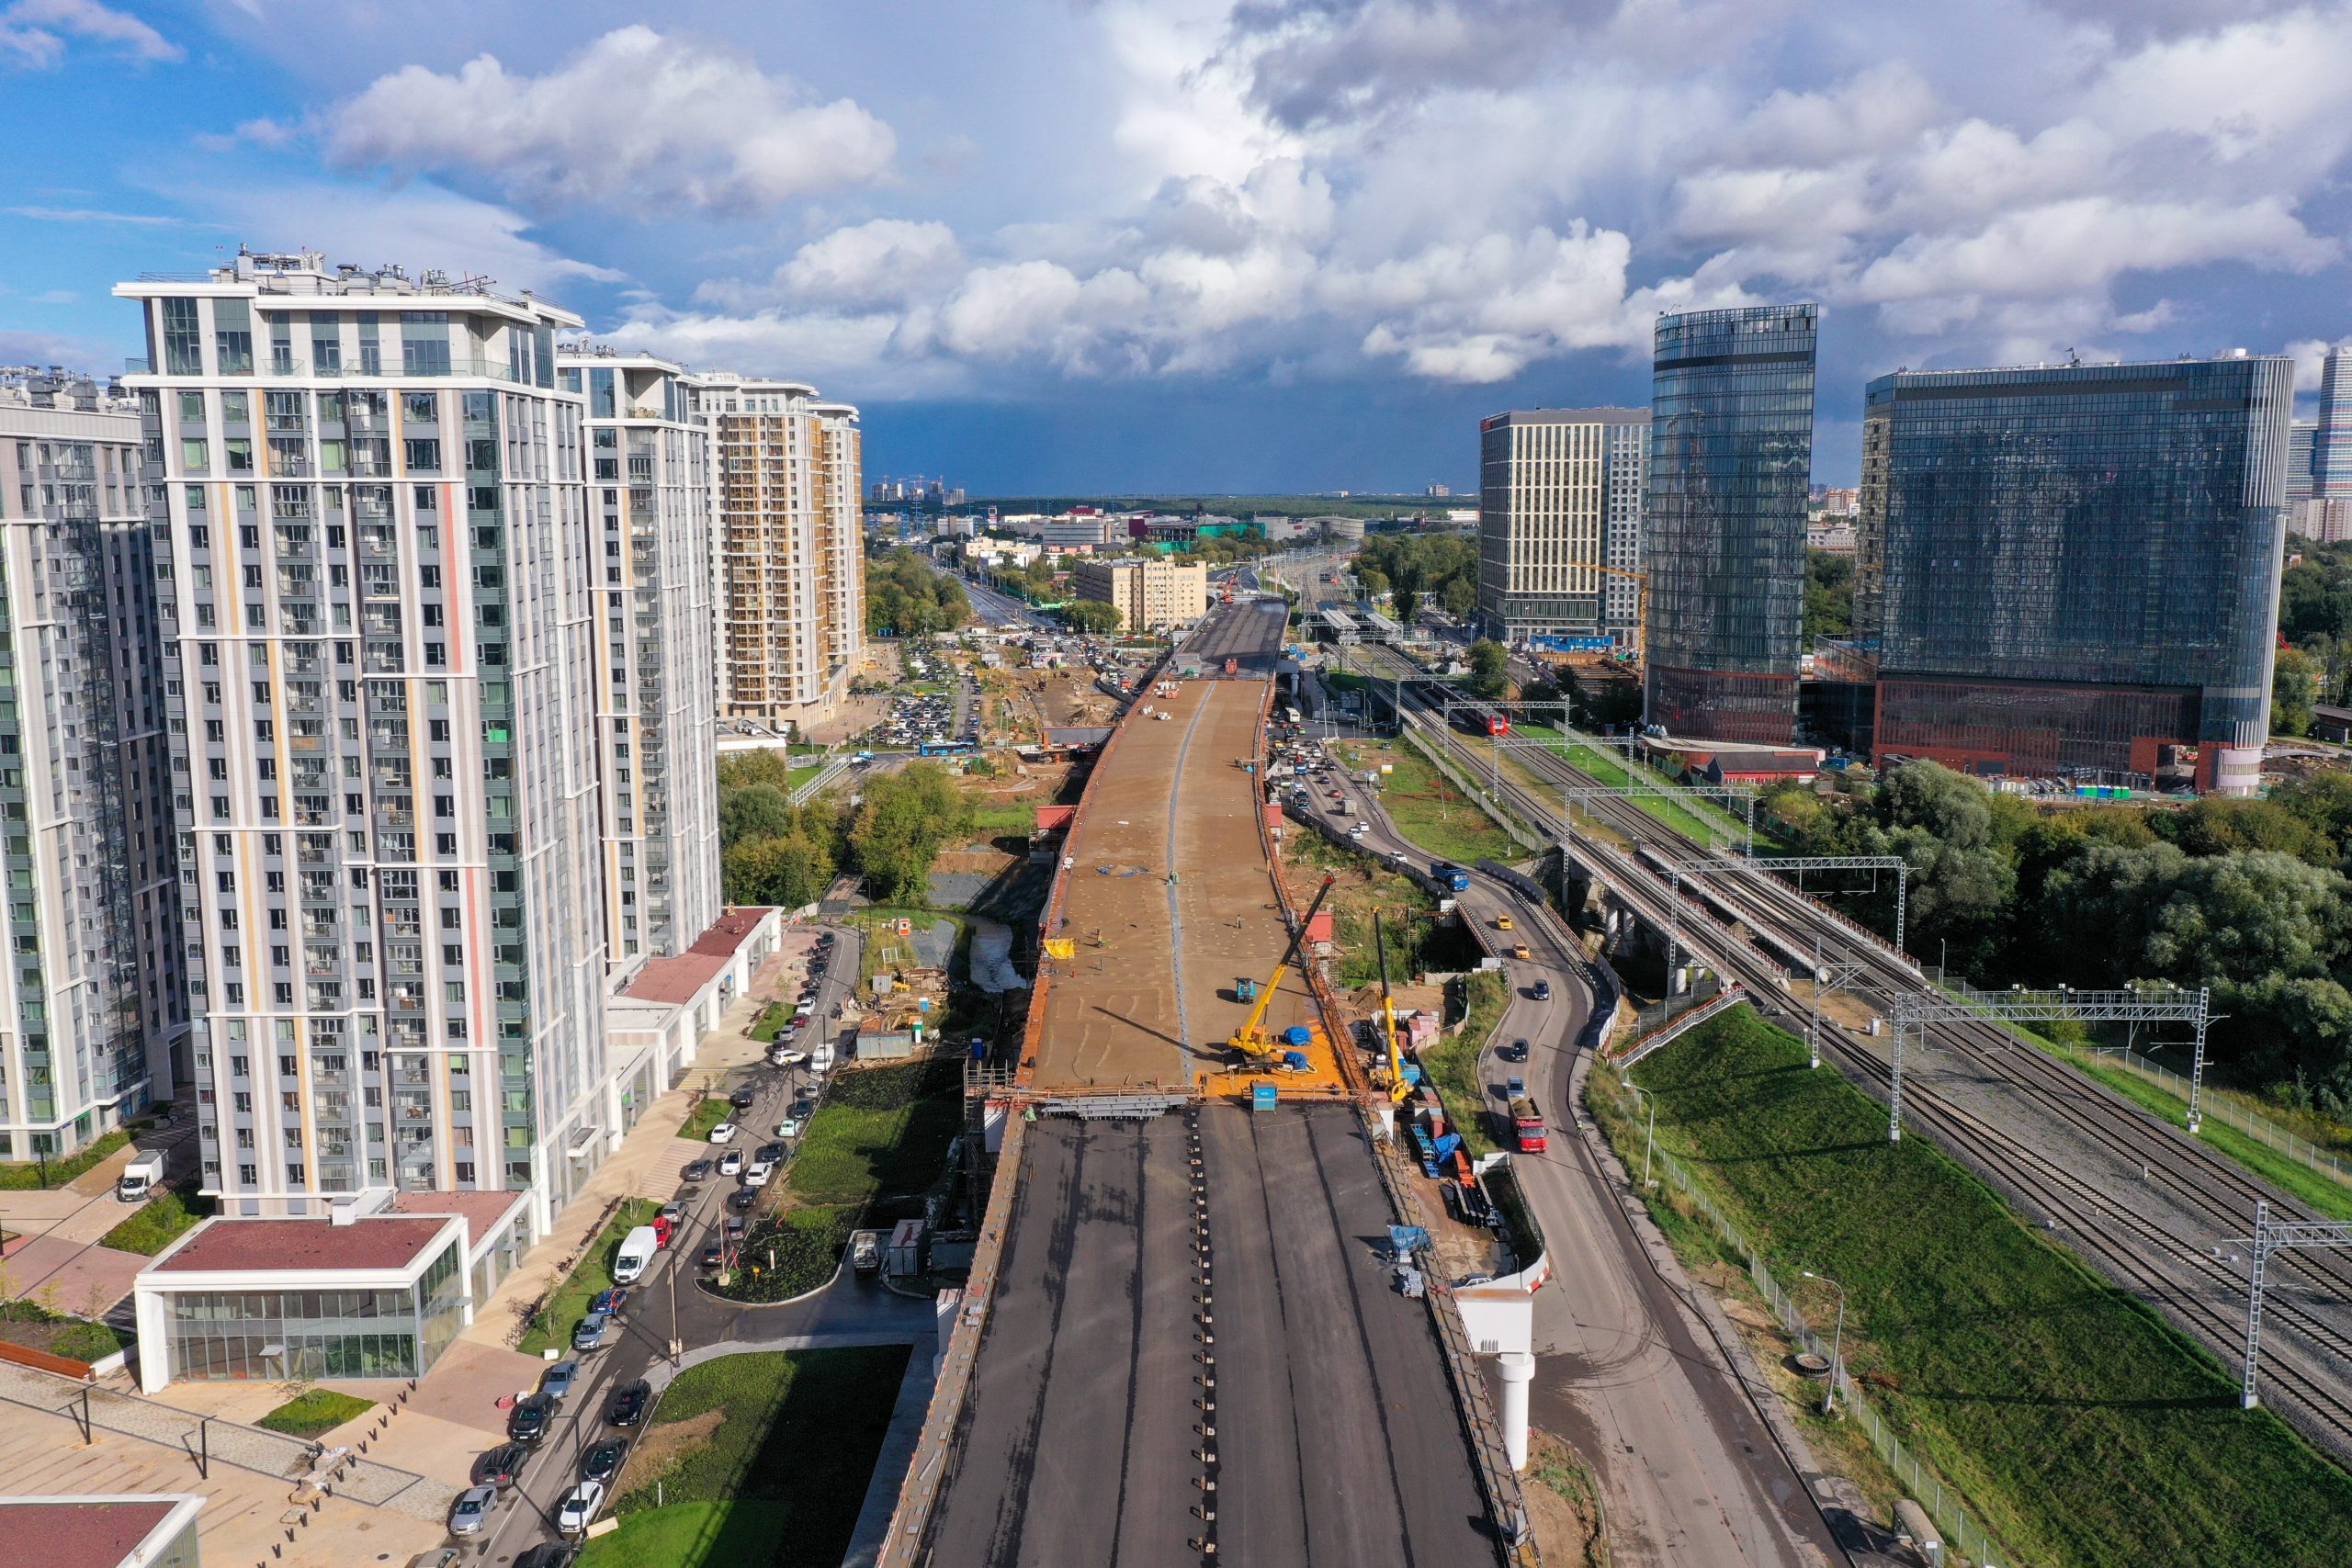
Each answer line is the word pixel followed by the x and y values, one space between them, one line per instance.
pixel 1751 866
pixel 1914 1010
pixel 2271 1237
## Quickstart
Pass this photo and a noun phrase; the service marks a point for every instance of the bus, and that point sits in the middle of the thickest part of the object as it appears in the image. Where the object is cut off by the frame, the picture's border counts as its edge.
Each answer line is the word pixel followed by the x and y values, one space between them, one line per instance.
pixel 1290 716
pixel 945 749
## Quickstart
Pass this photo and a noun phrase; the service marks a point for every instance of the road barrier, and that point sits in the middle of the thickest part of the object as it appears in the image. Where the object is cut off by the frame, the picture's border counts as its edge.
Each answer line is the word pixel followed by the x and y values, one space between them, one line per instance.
pixel 1961 1531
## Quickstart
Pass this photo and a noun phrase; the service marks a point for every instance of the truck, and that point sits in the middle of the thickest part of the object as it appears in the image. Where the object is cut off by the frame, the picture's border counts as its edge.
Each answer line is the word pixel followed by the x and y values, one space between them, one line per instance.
pixel 1526 1123
pixel 141 1178
pixel 1450 875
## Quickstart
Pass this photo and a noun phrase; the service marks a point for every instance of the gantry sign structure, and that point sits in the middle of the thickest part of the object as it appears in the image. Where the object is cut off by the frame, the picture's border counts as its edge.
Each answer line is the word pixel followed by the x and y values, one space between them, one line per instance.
pixel 1914 1012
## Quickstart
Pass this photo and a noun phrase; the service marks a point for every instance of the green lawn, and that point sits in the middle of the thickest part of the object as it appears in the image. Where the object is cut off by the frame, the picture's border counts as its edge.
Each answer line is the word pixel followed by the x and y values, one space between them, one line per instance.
pixel 568 1303
pixel 1453 1062
pixel 314 1411
pixel 2081 1428
pixel 791 1252
pixel 158 1222
pixel 1426 806
pixel 1003 818
pixel 778 1481
pixel 61 1333
pixel 710 1111
pixel 1691 814
pixel 879 1131
pixel 765 1028
pixel 796 776
pixel 33 1175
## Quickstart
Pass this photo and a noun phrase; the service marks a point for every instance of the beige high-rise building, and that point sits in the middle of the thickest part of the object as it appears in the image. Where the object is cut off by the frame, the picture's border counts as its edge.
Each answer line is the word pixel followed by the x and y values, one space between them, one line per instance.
pixel 1150 595
pixel 791 571
pixel 1560 495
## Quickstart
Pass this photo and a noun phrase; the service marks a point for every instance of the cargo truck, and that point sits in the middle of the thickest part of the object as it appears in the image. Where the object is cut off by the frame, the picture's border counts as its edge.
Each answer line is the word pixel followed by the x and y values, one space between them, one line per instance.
pixel 140 1178
pixel 1450 875
pixel 1527 1123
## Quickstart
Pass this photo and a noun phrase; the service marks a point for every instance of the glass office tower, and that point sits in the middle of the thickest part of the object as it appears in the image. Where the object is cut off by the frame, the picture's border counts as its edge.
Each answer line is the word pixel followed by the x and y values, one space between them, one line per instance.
pixel 1731 462
pixel 2069 570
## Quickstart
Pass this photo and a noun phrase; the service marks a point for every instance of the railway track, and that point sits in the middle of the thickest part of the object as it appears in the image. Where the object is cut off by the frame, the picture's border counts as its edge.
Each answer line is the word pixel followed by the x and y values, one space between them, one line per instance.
pixel 2307 1363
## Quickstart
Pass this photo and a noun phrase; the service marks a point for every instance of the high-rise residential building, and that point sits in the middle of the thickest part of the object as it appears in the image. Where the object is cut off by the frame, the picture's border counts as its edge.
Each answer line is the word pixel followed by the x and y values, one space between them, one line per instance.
pixel 1723 533
pixel 2332 435
pixel 2070 569
pixel 1559 496
pixel 1150 595
pixel 91 1001
pixel 2303 435
pixel 649 511
pixel 381 682
pixel 790 559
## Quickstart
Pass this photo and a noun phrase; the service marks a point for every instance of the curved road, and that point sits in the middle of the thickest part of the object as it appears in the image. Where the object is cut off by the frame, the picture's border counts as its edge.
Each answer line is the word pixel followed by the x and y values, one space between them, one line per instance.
pixel 1626 1370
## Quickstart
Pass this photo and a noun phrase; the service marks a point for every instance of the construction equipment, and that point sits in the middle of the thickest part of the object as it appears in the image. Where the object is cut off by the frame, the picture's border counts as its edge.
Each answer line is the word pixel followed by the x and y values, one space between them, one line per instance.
pixel 1641 608
pixel 1249 1042
pixel 1399 1090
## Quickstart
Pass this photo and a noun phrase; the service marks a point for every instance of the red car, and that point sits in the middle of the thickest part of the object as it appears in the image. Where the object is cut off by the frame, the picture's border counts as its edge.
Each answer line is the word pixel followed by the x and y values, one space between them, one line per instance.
pixel 660 1230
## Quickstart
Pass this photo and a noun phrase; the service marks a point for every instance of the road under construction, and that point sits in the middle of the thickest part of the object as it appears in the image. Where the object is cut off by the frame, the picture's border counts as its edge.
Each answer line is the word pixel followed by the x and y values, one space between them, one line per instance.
pixel 1181 1340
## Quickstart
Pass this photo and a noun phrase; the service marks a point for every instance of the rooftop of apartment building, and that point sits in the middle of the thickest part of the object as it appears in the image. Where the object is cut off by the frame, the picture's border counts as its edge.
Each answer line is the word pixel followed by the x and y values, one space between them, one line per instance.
pixel 55 387
pixel 682 979
pixel 95 1531
pixel 311 273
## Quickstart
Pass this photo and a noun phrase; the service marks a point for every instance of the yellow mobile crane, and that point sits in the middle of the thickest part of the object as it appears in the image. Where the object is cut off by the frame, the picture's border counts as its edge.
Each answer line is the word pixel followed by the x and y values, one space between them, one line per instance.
pixel 1399 1090
pixel 1249 1042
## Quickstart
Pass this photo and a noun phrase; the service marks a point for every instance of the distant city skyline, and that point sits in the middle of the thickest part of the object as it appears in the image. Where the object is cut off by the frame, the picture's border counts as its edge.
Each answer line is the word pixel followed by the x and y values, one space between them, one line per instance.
pixel 1255 247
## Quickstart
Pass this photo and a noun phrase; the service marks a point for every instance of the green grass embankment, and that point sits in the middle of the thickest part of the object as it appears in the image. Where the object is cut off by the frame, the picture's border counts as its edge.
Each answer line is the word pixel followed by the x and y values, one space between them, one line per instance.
pixel 567 1303
pixel 2082 1429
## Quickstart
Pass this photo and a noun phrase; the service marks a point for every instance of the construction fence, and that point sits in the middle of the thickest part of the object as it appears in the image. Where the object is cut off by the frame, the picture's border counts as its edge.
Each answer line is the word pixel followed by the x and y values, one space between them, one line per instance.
pixel 1962 1533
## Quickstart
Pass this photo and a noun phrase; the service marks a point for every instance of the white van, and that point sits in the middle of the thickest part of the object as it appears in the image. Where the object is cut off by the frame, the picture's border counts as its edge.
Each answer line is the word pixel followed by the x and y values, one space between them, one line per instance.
pixel 635 1256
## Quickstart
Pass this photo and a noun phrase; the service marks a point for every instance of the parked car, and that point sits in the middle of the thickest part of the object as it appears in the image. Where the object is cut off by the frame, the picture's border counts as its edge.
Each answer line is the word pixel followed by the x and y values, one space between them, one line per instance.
pixel 610 1301
pixel 472 1510
pixel 527 1422
pixel 559 1380
pixel 695 1170
pixel 713 1255
pixel 742 1200
pixel 549 1555
pixel 788 1128
pixel 627 1407
pixel 501 1465
pixel 756 1174
pixel 604 1461
pixel 579 1507
pixel 590 1335
pixel 736 1224
pixel 742 1100
pixel 672 1214
pixel 787 1058
pixel 731 1164
pixel 771 1153
pixel 724 1132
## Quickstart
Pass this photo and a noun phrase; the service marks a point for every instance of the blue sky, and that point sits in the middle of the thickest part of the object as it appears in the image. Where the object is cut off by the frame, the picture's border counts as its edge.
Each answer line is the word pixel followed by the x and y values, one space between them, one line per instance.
pixel 1215 245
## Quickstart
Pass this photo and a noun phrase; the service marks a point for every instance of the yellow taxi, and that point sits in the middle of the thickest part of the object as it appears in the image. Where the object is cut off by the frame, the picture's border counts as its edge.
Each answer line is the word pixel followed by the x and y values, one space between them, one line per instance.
pixel 1519 950
pixel 1502 922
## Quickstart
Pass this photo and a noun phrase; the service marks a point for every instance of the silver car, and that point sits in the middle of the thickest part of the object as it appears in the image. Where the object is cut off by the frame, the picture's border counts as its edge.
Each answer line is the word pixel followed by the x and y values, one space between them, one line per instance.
pixel 557 1384
pixel 472 1510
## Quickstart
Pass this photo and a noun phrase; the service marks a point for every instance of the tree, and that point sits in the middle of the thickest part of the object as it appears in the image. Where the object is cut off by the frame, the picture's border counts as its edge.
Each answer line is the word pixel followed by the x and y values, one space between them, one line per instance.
pixel 907 818
pixel 763 811
pixel 786 872
pixel 2243 917
pixel 1092 616
pixel 1373 583
pixel 1949 808
pixel 1828 596
pixel 1459 596
pixel 2294 687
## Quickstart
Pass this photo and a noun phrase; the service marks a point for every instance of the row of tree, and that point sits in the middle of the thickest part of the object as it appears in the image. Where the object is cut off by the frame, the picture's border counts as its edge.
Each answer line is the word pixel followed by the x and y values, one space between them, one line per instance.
pixel 904 597
pixel 772 852
pixel 2247 897
pixel 1440 568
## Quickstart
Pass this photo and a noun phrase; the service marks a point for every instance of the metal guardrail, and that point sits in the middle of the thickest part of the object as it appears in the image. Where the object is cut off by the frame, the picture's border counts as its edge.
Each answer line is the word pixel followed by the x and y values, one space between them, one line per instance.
pixel 1962 1531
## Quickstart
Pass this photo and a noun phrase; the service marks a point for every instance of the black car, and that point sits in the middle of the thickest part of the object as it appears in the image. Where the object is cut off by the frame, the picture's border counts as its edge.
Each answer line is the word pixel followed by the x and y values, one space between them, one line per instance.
pixel 527 1422
pixel 627 1407
pixel 772 1153
pixel 742 1099
pixel 1515 1051
pixel 742 1198
pixel 501 1465
pixel 548 1554
pixel 604 1461
pixel 697 1170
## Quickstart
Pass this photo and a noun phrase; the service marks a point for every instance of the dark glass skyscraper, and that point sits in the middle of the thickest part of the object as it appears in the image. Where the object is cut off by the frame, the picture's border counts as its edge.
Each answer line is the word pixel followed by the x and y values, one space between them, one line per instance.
pixel 1731 461
pixel 2069 568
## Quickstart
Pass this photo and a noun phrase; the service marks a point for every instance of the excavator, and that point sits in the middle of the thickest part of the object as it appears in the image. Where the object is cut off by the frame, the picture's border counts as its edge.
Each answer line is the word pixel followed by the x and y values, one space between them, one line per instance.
pixel 1399 1090
pixel 1255 1052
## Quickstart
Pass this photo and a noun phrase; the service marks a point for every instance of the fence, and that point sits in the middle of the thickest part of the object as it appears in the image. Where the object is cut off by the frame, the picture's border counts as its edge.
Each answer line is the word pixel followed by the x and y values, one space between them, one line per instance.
pixel 1962 1533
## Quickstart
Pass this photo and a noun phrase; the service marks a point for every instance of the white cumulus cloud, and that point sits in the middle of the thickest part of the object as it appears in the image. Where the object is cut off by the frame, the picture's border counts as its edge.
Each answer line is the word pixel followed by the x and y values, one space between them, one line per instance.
pixel 37 33
pixel 636 118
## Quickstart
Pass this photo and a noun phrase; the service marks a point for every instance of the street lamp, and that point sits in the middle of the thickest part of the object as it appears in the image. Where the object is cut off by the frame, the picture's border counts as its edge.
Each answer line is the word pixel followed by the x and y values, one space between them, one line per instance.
pixel 1837 1341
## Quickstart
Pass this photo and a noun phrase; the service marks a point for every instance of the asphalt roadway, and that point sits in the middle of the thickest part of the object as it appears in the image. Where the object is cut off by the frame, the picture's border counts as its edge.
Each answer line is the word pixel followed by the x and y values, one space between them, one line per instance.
pixel 1249 630
pixel 1625 1368
pixel 668 1303
pixel 1336 1436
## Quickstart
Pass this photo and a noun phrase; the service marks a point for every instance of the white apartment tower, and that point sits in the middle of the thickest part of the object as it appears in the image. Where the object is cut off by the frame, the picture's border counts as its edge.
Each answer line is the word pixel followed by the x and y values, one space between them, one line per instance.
pixel 381 637
pixel 650 513
pixel 1560 495
pixel 790 564
pixel 91 1000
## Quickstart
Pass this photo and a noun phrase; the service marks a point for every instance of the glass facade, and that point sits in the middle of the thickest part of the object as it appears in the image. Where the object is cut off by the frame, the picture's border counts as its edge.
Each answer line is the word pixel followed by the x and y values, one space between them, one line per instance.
pixel 1723 535
pixel 277 1335
pixel 2070 568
